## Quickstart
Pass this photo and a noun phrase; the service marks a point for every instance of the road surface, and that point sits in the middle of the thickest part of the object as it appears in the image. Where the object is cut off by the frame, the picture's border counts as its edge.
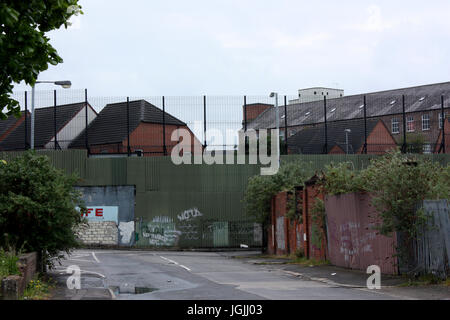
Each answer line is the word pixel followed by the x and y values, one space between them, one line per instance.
pixel 170 275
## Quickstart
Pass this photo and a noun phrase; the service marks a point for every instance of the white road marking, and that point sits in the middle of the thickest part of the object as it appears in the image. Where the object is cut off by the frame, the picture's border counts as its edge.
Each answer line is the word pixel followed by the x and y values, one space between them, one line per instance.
pixel 80 260
pixel 95 257
pixel 184 267
pixel 175 263
pixel 92 272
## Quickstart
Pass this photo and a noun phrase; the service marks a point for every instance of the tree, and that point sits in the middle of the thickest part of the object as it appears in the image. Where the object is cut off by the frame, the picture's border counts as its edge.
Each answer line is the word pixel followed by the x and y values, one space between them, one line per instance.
pixel 38 206
pixel 25 51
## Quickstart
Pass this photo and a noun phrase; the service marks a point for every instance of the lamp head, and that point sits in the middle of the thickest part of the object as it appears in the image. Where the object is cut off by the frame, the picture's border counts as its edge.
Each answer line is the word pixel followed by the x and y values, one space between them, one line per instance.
pixel 65 84
pixel 272 94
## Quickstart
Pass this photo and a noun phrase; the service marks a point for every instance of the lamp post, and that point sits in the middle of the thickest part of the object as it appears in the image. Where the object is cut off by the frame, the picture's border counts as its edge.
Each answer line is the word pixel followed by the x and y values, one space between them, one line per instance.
pixel 277 113
pixel 347 131
pixel 65 84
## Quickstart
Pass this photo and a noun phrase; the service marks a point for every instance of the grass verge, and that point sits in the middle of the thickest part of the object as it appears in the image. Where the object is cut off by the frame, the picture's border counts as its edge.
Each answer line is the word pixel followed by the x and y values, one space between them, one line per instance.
pixel 39 289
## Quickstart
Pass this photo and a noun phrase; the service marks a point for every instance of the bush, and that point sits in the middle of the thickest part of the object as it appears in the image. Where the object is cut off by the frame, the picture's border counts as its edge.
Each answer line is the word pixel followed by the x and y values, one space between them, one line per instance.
pixel 398 182
pixel 341 178
pixel 261 189
pixel 38 206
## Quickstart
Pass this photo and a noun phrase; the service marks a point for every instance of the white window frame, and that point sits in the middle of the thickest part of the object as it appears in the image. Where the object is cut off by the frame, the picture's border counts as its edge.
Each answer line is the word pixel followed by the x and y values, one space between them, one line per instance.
pixel 426 125
pixel 397 123
pixel 410 120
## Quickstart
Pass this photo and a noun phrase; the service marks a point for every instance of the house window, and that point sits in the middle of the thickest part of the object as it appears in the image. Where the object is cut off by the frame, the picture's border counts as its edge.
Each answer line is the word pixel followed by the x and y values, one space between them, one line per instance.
pixel 425 122
pixel 427 148
pixel 440 120
pixel 410 124
pixel 315 92
pixel 395 126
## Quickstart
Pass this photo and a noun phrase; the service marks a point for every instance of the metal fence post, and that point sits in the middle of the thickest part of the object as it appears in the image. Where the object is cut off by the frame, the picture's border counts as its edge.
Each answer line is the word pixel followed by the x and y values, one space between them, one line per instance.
pixel 404 146
pixel 365 126
pixel 442 147
pixel 245 125
pixel 164 126
pixel 325 148
pixel 86 141
pixel 128 127
pixel 26 122
pixel 204 119
pixel 285 125
pixel 245 113
pixel 54 119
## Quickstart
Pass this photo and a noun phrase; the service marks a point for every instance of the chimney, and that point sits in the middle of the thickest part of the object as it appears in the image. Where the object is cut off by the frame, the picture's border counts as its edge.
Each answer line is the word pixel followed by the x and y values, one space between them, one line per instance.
pixel 253 111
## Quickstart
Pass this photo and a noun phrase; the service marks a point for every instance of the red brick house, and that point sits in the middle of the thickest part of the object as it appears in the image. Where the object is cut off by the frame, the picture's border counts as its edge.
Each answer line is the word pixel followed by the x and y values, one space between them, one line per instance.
pixel 70 121
pixel 311 140
pixel 107 134
pixel 422 107
pixel 447 138
pixel 10 124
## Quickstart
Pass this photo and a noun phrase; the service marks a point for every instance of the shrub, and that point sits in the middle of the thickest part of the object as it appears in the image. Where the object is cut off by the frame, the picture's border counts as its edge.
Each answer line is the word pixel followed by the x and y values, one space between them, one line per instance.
pixel 38 206
pixel 341 178
pixel 261 189
pixel 398 183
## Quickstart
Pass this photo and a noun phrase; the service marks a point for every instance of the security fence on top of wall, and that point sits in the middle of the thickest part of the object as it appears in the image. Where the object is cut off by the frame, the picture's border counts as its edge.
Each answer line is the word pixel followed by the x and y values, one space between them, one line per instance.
pixel 143 126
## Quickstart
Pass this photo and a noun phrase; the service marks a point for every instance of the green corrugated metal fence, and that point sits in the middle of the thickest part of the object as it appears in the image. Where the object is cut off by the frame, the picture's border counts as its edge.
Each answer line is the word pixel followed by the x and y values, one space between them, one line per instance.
pixel 186 205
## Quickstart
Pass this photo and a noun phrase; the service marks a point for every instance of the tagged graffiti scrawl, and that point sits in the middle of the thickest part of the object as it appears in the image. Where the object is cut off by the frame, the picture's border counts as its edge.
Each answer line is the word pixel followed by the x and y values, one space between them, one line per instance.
pixel 161 232
pixel 189 214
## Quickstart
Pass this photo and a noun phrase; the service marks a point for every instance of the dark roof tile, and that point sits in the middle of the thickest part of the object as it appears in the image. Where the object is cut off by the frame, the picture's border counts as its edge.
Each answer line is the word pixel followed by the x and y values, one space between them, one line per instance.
pixel 44 126
pixel 110 126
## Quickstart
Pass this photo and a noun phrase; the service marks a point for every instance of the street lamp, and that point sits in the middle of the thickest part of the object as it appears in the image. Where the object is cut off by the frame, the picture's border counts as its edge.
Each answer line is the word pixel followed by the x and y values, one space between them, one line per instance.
pixel 275 95
pixel 347 131
pixel 65 84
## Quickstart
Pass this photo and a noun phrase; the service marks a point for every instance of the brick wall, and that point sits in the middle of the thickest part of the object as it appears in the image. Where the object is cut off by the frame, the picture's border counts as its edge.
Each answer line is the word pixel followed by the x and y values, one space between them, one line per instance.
pixel 149 138
pixel 284 236
pixel 99 233
pixel 254 110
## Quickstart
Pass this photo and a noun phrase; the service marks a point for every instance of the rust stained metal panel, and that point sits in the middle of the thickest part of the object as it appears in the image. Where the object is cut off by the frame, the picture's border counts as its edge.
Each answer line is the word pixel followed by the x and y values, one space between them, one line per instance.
pixel 353 241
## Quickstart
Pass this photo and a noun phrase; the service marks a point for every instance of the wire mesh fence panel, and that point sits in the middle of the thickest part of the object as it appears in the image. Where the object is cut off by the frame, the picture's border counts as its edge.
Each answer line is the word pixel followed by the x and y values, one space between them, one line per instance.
pixel 313 122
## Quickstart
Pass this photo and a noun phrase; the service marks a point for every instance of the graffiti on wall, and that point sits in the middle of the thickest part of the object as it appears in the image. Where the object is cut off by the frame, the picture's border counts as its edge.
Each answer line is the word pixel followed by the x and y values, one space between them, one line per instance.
pixel 352 244
pixel 164 231
pixel 161 232
pixel 126 231
pixel 189 214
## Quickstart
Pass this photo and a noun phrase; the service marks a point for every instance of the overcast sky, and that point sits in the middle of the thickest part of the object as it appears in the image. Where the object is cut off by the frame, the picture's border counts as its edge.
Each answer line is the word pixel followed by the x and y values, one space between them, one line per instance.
pixel 228 47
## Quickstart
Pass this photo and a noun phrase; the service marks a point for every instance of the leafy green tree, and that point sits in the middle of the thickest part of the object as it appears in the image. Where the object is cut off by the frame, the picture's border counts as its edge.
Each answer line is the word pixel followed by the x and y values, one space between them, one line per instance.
pixel 38 206
pixel 25 50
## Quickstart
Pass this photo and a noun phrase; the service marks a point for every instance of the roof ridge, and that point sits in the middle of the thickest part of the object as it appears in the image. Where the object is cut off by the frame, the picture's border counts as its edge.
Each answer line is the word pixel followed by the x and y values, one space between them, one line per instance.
pixel 58 105
pixel 398 89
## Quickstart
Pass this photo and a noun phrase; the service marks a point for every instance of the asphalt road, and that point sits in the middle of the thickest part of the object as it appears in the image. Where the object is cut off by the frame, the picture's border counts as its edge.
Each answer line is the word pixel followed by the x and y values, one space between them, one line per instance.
pixel 168 275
